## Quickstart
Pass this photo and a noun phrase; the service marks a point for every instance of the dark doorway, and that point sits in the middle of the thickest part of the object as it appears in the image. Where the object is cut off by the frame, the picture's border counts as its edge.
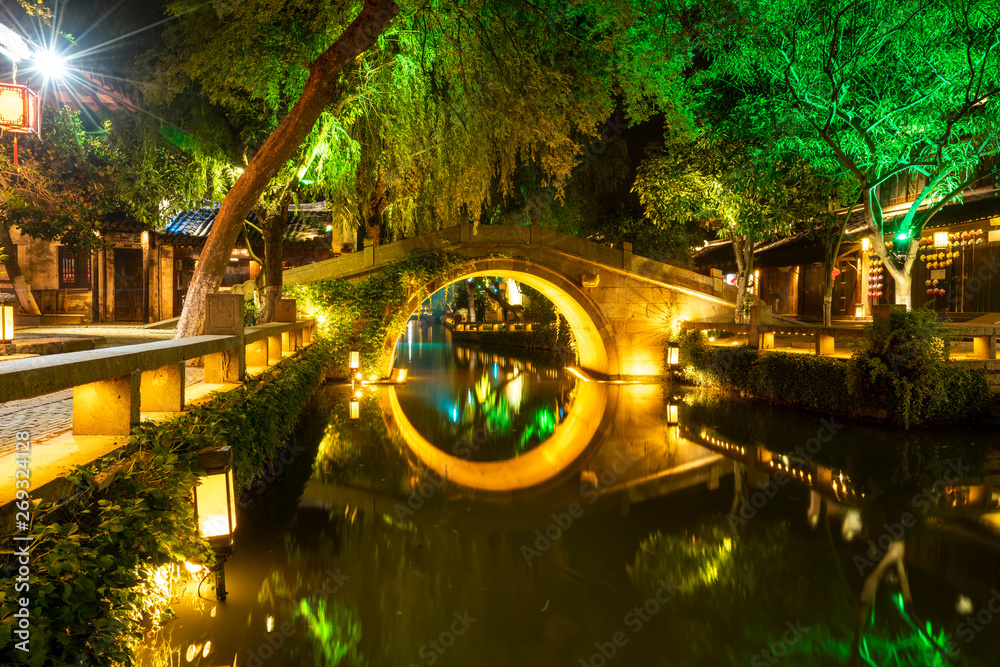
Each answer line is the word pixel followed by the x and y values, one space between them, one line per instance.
pixel 128 285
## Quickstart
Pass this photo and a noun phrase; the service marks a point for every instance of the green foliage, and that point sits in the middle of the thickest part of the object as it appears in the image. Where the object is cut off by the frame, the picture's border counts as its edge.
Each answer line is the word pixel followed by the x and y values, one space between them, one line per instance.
pixel 875 90
pixel 899 373
pixel 92 565
pixel 62 191
pixel 372 311
pixel 900 367
pixel 251 313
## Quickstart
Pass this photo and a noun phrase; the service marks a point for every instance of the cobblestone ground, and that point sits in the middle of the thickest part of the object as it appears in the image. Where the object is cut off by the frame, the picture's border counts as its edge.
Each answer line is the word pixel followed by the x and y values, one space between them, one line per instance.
pixel 45 417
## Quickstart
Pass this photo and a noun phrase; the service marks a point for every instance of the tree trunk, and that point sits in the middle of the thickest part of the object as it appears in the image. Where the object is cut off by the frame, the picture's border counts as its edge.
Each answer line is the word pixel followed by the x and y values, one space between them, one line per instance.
pixel 274 235
pixel 21 288
pixel 472 301
pixel 743 249
pixel 902 274
pixel 319 91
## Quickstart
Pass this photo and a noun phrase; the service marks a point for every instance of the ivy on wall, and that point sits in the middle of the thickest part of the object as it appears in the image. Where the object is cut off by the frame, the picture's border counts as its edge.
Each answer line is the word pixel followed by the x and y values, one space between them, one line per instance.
pixel 367 312
pixel 97 563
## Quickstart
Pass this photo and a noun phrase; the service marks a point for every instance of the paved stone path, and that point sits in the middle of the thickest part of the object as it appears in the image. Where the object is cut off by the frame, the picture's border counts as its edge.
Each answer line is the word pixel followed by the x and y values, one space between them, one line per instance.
pixel 45 417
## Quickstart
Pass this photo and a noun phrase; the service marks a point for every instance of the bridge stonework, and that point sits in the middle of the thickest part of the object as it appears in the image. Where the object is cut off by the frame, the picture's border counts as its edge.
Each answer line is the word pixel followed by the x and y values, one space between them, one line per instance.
pixel 622 307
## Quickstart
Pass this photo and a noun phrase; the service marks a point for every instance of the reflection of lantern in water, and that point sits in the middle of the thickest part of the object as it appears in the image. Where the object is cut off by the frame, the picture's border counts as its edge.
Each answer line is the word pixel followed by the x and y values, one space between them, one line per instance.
pixel 672 414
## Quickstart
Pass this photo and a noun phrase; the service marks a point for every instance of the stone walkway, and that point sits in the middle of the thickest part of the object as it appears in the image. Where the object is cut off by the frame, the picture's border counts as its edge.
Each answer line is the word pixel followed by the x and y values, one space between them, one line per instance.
pixel 46 417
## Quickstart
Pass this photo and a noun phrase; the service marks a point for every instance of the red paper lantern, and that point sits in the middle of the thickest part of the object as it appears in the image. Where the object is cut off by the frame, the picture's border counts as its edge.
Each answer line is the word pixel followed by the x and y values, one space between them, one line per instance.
pixel 19 109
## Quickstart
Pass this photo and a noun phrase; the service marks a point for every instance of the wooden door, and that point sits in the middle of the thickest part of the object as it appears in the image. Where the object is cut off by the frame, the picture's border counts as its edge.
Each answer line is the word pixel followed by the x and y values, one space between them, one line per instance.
pixel 128 285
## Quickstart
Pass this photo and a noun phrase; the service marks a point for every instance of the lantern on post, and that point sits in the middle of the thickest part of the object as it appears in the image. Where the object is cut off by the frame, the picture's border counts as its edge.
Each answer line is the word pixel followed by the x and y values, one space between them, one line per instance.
pixel 859 310
pixel 673 355
pixel 215 507
pixel 6 323
pixel 20 112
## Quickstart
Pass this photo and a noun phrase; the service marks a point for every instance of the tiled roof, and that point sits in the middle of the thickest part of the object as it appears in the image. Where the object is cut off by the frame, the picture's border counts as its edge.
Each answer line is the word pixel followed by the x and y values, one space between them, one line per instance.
pixel 195 225
pixel 91 90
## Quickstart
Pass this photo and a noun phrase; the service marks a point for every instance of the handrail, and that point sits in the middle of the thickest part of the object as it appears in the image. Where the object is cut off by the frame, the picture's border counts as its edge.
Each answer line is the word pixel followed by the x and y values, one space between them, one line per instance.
pixel 36 376
pixel 762 335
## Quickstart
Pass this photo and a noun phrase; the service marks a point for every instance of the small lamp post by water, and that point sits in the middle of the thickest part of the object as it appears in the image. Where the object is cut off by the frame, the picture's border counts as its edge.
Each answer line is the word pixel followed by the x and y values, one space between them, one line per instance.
pixel 354 363
pixel 673 355
pixel 215 507
pixel 6 323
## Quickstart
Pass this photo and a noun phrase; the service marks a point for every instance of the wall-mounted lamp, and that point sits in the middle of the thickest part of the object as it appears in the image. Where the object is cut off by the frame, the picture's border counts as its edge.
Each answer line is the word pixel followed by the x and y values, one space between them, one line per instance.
pixel 866 243
pixel 940 239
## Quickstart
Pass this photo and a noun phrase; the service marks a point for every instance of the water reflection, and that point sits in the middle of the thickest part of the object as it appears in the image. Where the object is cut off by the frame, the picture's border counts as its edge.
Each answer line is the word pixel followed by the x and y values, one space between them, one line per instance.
pixel 716 533
pixel 487 405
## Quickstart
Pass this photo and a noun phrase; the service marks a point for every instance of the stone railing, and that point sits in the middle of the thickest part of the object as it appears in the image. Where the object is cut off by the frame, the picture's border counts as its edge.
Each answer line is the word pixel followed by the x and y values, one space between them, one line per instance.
pixel 760 332
pixel 521 239
pixel 112 386
pixel 472 327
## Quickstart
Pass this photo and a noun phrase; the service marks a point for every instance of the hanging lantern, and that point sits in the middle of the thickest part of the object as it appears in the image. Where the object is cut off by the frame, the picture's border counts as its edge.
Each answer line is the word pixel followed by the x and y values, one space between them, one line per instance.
pixel 19 109
pixel 215 507
pixel 6 323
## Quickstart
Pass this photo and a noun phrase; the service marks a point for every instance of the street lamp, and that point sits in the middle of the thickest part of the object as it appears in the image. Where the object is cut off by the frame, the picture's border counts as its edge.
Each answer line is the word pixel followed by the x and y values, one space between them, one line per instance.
pixel 215 507
pixel 6 323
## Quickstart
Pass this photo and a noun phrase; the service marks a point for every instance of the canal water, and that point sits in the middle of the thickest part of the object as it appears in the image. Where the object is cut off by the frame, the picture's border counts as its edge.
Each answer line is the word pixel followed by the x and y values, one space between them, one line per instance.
pixel 670 527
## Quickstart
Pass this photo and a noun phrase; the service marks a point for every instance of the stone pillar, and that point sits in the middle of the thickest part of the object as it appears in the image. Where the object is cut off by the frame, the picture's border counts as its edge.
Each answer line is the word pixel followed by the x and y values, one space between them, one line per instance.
pixel 882 310
pixel 256 353
pixel 162 390
pixel 224 316
pixel 284 310
pixel 824 344
pixel 984 347
pixel 760 314
pixel 274 349
pixel 626 256
pixel 108 407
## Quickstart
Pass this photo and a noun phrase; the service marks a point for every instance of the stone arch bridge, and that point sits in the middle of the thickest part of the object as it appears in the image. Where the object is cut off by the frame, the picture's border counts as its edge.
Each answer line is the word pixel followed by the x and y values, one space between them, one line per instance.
pixel 620 306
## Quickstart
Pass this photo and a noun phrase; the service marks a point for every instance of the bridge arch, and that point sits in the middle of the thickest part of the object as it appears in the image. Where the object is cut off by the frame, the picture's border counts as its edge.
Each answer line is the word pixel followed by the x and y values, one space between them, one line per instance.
pixel 597 348
pixel 589 419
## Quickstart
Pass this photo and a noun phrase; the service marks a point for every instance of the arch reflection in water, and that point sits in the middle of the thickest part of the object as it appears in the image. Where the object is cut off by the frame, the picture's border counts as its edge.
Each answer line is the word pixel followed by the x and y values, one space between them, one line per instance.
pixel 481 405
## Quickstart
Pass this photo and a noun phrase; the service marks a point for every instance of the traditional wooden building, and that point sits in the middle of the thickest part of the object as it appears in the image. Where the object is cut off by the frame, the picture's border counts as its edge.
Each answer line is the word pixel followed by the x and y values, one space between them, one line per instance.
pixel 142 274
pixel 956 272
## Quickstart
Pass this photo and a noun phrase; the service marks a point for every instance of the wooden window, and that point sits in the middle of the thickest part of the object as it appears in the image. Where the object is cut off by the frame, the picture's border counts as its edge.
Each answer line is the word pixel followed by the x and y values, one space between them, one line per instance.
pixel 74 268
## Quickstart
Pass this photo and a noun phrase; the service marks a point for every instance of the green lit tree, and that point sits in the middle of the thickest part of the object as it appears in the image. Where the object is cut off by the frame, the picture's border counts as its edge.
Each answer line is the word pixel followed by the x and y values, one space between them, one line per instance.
pixel 882 91
pixel 434 141
pixel 724 185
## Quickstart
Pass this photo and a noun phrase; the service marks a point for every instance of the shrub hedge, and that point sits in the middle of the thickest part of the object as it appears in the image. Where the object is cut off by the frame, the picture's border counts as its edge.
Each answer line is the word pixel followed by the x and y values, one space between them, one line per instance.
pixel 899 373
pixel 92 585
